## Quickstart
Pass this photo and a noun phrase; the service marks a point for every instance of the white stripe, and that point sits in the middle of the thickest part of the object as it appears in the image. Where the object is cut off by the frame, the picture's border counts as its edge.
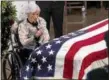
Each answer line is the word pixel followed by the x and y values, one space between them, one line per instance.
pixel 83 52
pixel 94 24
pixel 49 78
pixel 95 65
pixel 90 26
pixel 59 67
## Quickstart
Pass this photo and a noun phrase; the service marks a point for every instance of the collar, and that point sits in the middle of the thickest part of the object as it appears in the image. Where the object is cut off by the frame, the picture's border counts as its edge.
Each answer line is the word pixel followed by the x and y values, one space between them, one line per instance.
pixel 33 24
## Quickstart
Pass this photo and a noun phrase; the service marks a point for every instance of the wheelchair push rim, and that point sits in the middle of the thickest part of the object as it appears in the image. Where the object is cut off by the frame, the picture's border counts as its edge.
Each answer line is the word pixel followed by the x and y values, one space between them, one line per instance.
pixel 11 72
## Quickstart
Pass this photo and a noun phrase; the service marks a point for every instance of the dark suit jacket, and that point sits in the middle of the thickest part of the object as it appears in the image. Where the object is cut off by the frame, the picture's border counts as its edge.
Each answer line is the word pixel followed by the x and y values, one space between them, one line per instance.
pixel 49 4
pixel 107 39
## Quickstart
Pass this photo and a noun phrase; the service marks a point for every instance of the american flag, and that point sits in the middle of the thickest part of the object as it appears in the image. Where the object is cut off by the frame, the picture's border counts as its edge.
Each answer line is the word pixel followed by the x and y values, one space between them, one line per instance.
pixel 71 56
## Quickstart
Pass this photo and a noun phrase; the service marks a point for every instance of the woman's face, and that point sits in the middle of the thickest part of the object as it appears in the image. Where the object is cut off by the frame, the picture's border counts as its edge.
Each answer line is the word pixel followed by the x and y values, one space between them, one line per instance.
pixel 33 16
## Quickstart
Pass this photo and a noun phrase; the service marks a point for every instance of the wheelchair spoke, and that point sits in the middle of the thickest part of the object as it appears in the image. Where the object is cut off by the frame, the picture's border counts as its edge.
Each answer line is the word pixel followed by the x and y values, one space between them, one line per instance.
pixel 11 66
pixel 8 73
pixel 10 77
pixel 7 69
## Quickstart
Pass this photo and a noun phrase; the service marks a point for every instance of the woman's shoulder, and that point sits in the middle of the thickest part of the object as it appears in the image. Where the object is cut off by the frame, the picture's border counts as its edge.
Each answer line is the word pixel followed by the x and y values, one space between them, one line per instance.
pixel 41 19
pixel 23 23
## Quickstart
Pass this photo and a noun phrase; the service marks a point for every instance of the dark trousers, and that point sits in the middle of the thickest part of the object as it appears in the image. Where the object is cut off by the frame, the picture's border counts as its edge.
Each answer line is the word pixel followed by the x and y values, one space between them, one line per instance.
pixel 106 4
pixel 54 9
pixel 24 54
pixel 107 40
pixel 91 4
pixel 99 74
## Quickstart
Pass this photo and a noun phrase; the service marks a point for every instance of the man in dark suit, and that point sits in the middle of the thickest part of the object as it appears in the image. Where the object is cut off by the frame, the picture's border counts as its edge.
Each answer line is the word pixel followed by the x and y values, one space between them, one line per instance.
pixel 54 9
pixel 106 4
pixel 95 4
pixel 107 39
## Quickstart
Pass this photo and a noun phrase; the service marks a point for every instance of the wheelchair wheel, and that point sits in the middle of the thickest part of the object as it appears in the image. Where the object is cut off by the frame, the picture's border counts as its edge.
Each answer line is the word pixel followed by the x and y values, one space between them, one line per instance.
pixel 11 66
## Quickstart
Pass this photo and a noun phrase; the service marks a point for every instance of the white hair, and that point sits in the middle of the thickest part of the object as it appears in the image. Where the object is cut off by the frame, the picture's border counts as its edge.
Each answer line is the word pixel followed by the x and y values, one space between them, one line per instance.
pixel 32 7
pixel 24 7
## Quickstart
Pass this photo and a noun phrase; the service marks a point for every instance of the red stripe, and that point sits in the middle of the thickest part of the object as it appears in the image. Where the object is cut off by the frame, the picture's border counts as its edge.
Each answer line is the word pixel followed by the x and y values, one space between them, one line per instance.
pixel 98 25
pixel 68 66
pixel 94 56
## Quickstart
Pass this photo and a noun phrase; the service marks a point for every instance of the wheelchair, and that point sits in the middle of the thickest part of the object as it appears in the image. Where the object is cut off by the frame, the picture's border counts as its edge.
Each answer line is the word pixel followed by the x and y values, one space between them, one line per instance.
pixel 12 59
pixel 11 62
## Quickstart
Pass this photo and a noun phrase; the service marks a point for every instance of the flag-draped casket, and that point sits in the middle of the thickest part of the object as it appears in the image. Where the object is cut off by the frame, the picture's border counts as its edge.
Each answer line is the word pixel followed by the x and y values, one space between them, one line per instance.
pixel 71 56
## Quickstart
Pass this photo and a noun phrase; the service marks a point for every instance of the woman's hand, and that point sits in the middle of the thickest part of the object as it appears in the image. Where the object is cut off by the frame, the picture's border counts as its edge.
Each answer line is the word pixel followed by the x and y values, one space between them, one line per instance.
pixel 38 33
pixel 46 38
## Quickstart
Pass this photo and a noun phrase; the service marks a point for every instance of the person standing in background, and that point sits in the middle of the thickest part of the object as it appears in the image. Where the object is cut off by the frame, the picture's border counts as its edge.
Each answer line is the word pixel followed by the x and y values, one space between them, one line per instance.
pixel 107 40
pixel 106 5
pixel 54 9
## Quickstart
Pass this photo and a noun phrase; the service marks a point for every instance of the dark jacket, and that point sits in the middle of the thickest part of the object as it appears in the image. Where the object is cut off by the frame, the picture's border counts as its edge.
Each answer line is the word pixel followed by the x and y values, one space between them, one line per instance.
pixel 107 39
pixel 50 4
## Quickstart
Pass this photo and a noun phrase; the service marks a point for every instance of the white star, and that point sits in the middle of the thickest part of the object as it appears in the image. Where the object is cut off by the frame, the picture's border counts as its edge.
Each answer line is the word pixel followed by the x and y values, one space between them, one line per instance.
pixel 27 68
pixel 33 60
pixel 80 32
pixel 44 59
pixel 56 39
pixel 25 78
pixel 58 42
pixel 69 33
pixel 49 67
pixel 39 52
pixel 74 34
pixel 65 36
pixel 48 46
pixel 39 67
pixel 51 52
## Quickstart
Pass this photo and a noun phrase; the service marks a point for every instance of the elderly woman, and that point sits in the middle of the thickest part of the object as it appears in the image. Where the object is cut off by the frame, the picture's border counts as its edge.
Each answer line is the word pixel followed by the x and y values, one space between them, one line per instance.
pixel 32 27
pixel 32 30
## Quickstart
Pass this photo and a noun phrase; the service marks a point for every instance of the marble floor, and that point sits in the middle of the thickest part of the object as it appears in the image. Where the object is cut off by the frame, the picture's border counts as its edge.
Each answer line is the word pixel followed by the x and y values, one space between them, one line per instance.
pixel 93 15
